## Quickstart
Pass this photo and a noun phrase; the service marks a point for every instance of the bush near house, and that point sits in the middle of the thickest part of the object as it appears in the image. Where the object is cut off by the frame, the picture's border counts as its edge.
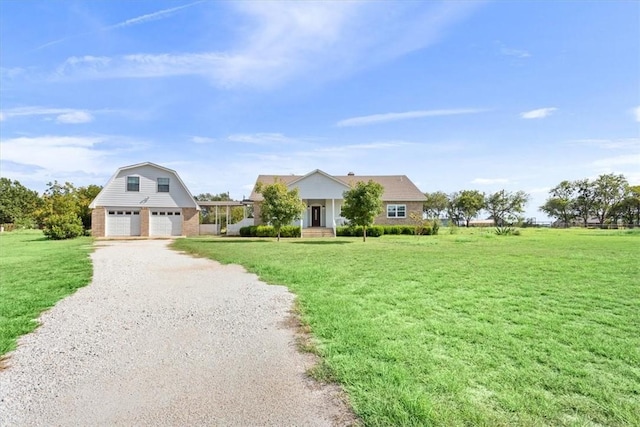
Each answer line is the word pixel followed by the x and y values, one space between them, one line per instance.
pixel 379 230
pixel 269 231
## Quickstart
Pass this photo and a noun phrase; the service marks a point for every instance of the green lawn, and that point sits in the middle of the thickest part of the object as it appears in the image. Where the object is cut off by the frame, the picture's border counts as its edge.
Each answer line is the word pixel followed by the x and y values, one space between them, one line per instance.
pixel 35 273
pixel 470 328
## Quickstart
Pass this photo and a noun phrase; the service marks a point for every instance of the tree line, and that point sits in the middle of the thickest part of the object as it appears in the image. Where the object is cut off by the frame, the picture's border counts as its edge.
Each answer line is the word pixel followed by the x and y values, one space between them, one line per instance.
pixel 604 200
pixel 461 207
pixel 62 211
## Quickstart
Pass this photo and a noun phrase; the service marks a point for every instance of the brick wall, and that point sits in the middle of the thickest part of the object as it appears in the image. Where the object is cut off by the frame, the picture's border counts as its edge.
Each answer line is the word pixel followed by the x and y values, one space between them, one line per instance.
pixel 98 222
pixel 144 222
pixel 190 222
pixel 411 207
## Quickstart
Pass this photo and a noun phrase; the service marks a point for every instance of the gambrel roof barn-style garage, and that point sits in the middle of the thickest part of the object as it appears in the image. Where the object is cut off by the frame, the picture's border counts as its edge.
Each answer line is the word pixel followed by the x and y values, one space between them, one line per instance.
pixel 144 199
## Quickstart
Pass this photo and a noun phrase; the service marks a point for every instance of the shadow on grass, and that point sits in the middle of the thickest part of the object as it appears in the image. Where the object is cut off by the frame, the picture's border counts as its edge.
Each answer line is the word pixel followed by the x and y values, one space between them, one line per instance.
pixel 321 242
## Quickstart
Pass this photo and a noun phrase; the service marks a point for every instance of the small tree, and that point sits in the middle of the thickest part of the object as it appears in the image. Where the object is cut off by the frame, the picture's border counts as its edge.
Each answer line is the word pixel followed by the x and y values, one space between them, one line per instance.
pixel 362 203
pixel 504 207
pixel 280 206
pixel 466 205
pixel 435 204
pixel 561 203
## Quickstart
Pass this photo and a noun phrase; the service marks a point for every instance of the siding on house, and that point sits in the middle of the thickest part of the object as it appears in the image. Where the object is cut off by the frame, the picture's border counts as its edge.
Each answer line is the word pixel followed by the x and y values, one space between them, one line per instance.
pixel 116 194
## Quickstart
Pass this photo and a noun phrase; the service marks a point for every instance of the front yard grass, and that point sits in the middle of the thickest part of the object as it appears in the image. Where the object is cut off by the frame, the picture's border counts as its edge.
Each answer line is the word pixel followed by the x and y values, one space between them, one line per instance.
pixel 35 273
pixel 470 328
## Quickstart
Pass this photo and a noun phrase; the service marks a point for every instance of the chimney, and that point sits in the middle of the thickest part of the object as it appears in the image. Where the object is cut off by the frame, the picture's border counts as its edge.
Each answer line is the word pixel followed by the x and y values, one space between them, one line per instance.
pixel 351 174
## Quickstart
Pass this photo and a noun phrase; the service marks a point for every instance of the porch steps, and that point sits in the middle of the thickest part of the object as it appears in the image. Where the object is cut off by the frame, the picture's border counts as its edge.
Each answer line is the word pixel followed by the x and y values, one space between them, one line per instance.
pixel 317 232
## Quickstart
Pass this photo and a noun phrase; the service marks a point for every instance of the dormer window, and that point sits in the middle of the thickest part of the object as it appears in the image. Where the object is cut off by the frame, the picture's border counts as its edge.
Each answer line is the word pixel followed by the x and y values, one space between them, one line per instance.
pixel 133 183
pixel 163 185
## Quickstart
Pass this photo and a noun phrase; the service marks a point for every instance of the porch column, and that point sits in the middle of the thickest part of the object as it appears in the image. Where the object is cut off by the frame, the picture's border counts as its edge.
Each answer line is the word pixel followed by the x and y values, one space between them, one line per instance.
pixel 333 214
pixel 217 225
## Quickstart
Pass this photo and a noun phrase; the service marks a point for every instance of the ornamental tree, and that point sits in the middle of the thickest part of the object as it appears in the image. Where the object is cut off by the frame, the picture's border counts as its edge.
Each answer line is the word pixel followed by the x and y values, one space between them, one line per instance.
pixel 362 203
pixel 280 206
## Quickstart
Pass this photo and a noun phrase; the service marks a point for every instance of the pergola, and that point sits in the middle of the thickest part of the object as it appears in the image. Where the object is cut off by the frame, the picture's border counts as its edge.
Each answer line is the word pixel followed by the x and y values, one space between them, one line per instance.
pixel 228 204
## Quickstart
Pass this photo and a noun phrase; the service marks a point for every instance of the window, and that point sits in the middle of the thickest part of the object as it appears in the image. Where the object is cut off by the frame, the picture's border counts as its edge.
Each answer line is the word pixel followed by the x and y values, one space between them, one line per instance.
pixel 396 211
pixel 133 183
pixel 163 185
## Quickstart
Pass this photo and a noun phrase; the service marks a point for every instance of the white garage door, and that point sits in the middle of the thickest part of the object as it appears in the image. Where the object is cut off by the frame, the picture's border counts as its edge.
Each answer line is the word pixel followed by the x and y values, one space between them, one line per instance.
pixel 123 223
pixel 165 223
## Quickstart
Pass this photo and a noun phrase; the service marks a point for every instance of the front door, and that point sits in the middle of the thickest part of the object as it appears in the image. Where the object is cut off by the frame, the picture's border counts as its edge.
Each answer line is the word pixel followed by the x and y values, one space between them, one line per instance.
pixel 315 216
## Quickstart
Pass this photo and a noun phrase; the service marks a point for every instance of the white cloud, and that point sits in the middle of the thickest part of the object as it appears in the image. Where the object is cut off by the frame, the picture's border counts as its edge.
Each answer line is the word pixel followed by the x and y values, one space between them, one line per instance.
pixel 66 154
pixel 262 138
pixel 75 117
pixel 538 114
pixel 151 16
pixel 636 113
pixel 518 53
pixel 622 160
pixel 63 115
pixel 161 14
pixel 610 144
pixel 391 117
pixel 202 140
pixel 289 40
pixel 489 181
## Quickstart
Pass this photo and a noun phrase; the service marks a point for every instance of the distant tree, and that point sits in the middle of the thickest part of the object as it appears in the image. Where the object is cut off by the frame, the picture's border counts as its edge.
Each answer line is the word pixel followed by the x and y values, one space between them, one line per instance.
pixel 362 204
pixel 465 205
pixel 18 204
pixel 560 204
pixel 629 208
pixel 583 203
pixel 84 197
pixel 504 206
pixel 608 191
pixel 435 204
pixel 280 206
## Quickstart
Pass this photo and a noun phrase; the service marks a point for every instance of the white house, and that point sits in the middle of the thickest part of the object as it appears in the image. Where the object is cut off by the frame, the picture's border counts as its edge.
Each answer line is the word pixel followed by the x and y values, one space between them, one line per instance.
pixel 144 199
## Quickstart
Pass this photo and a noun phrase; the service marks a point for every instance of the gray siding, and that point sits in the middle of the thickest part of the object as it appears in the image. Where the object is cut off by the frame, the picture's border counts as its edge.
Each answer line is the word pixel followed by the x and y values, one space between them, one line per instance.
pixel 116 194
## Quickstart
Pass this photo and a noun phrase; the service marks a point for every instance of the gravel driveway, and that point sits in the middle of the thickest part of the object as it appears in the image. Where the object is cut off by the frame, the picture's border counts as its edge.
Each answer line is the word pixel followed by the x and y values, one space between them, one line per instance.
pixel 161 338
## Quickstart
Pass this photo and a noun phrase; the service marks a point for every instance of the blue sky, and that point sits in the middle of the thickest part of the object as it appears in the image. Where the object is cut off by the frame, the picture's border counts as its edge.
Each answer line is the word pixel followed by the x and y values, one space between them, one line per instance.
pixel 456 95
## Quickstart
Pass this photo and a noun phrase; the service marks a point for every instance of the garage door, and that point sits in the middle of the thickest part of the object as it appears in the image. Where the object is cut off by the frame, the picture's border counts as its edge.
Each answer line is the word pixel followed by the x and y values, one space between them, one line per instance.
pixel 123 223
pixel 165 223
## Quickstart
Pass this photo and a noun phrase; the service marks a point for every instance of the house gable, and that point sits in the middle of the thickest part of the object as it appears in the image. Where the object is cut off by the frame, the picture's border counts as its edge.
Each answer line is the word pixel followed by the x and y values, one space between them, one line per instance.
pixel 116 193
pixel 319 185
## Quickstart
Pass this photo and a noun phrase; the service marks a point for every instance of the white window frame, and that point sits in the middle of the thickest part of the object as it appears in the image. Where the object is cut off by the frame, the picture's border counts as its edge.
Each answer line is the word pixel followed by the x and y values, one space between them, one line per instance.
pixel 392 210
pixel 168 185
pixel 127 183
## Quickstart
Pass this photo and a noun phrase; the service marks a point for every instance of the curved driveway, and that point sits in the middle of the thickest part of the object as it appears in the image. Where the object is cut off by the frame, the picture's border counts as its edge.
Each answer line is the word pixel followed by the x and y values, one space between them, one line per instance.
pixel 162 338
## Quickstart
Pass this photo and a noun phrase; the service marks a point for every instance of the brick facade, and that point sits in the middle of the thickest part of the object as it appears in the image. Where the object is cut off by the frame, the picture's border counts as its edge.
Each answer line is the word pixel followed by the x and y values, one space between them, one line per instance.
pixel 257 220
pixel 98 222
pixel 144 222
pixel 415 207
pixel 190 222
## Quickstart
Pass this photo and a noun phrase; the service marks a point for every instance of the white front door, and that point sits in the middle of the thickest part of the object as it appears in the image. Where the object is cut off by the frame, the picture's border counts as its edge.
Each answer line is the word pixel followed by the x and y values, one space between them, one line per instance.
pixel 165 222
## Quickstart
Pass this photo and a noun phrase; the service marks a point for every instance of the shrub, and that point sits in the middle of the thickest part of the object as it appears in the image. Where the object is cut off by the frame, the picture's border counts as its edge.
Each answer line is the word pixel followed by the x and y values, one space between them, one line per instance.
pixel 349 231
pixel 507 231
pixel 63 226
pixel 269 231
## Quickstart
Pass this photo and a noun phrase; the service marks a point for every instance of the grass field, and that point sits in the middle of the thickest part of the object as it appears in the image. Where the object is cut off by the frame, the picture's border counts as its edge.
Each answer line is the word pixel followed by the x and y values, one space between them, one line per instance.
pixel 470 328
pixel 35 273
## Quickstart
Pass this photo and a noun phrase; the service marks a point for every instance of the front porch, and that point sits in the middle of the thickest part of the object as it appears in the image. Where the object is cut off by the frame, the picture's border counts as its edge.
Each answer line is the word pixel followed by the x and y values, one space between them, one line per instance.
pixel 321 217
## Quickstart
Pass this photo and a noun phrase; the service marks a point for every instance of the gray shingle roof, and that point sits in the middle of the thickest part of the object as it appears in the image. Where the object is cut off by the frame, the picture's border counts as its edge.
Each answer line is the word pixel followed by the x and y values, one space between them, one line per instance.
pixel 396 187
